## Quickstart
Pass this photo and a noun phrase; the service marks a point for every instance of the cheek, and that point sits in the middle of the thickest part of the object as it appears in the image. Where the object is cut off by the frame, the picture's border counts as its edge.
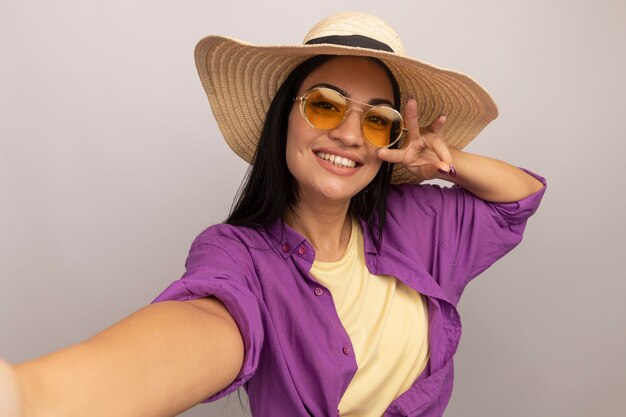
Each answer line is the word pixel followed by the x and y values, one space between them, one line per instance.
pixel 375 162
pixel 299 134
pixel 295 142
pixel 290 155
pixel 374 167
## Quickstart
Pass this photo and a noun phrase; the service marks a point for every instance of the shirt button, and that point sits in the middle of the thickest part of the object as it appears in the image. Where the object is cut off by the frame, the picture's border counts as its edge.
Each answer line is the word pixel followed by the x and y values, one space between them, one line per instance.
pixel 302 250
pixel 319 291
pixel 346 350
pixel 285 247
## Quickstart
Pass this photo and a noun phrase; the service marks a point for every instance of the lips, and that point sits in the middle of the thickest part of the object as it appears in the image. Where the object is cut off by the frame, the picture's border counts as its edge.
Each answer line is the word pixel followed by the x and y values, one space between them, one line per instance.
pixel 337 160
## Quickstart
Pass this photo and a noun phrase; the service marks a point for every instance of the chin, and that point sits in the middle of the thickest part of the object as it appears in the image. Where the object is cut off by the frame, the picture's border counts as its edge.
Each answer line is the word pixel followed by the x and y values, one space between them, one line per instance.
pixel 339 194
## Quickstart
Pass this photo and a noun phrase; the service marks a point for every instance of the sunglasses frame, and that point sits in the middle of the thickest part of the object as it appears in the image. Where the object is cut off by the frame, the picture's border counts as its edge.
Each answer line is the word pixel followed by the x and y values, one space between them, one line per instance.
pixel 303 99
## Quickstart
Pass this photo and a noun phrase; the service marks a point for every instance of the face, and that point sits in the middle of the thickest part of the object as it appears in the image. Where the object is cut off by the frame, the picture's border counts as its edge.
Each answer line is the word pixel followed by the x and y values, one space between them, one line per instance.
pixel 312 154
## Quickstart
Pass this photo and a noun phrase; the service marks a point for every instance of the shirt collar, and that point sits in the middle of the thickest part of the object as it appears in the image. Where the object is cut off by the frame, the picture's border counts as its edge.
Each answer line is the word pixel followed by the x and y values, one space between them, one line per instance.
pixel 368 240
pixel 287 240
pixel 284 238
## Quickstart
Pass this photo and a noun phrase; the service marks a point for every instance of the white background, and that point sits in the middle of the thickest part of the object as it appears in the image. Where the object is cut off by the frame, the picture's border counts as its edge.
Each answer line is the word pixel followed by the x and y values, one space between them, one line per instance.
pixel 111 163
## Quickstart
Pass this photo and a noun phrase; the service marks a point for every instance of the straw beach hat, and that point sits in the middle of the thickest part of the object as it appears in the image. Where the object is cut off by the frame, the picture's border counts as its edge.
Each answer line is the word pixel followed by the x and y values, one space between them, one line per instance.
pixel 241 80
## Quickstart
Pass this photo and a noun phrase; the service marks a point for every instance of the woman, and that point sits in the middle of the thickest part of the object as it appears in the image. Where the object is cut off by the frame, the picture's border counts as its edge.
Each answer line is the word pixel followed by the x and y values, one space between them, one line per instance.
pixel 328 291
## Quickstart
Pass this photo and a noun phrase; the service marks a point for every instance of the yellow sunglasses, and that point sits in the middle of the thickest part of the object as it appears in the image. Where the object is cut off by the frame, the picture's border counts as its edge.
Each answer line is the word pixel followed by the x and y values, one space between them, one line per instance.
pixel 325 109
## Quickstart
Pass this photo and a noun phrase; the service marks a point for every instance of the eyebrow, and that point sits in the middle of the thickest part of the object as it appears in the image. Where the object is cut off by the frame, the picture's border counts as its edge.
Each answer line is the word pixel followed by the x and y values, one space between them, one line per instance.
pixel 372 102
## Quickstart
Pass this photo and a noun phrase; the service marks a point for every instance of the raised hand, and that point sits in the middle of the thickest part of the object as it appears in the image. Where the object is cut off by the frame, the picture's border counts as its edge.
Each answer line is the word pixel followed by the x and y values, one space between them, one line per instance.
pixel 424 151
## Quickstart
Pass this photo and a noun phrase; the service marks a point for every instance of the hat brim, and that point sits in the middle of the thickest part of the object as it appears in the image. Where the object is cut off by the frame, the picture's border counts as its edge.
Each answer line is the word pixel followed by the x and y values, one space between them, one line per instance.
pixel 241 79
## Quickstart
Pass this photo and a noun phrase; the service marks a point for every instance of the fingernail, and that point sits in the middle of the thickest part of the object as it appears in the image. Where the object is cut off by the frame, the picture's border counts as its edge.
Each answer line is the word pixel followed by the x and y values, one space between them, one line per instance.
pixel 452 171
pixel 410 97
pixel 442 171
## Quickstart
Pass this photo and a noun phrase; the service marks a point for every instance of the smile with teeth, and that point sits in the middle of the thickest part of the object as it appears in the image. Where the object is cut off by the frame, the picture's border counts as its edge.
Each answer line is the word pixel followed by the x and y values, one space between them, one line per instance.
pixel 336 160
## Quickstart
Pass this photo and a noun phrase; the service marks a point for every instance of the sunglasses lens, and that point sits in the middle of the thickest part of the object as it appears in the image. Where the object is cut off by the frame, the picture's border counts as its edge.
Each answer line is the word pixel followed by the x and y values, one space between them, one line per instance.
pixel 382 126
pixel 324 108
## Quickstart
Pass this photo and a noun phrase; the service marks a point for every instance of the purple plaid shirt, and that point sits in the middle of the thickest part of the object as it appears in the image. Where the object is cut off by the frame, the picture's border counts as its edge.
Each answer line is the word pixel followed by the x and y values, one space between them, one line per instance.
pixel 298 357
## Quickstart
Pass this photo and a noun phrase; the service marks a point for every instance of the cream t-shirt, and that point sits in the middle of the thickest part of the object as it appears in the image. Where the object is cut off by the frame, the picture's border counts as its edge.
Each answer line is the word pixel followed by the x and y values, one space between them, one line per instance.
pixel 387 323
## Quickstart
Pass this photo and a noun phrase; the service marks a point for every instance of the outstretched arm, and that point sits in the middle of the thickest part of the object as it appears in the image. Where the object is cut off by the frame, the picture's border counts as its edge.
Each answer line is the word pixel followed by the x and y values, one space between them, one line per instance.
pixel 159 361
pixel 425 153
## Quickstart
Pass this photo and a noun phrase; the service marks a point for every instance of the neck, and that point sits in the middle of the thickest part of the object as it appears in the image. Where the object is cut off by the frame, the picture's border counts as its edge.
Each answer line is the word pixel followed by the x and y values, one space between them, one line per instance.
pixel 326 226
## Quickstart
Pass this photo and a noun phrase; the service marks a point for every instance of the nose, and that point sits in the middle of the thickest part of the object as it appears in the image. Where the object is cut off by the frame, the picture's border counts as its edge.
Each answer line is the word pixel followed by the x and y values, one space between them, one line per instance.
pixel 349 131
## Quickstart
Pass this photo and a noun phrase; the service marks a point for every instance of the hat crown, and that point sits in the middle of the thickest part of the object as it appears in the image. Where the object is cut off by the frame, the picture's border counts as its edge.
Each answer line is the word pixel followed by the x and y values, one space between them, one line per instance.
pixel 356 23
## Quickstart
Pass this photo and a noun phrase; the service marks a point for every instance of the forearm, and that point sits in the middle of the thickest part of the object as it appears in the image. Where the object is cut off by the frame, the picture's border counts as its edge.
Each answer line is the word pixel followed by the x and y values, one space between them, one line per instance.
pixel 158 362
pixel 491 179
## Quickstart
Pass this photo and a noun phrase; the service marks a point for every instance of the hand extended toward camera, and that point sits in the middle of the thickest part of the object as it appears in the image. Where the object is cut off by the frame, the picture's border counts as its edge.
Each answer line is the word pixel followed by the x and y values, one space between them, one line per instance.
pixel 9 392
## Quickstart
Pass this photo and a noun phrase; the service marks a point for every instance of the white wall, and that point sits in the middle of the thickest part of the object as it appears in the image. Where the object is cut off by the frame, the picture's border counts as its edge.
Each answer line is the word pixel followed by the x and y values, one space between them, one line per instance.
pixel 111 163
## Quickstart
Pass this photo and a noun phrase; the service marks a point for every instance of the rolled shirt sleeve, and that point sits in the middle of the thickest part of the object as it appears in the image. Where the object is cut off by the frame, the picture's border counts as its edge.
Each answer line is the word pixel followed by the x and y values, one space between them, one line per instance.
pixel 458 235
pixel 218 267
pixel 483 231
